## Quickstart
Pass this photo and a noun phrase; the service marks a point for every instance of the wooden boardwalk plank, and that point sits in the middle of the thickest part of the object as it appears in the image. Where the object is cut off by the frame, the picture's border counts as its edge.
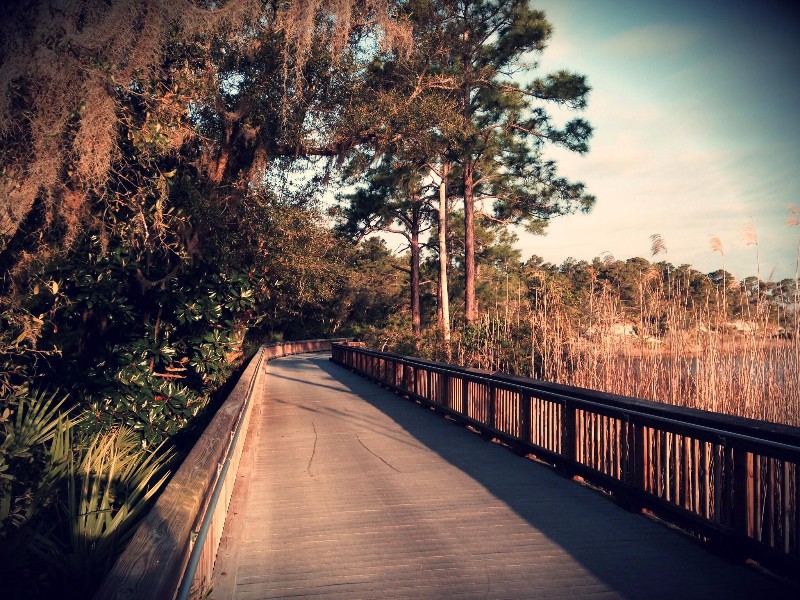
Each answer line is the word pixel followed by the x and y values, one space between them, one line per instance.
pixel 347 491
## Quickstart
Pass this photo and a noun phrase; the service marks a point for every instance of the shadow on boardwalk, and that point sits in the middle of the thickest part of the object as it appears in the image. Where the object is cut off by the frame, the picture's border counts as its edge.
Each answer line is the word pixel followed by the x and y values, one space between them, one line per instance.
pixel 633 555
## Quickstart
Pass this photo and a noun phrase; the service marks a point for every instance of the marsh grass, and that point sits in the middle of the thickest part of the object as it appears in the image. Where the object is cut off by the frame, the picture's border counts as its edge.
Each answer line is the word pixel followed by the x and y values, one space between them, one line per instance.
pixel 664 346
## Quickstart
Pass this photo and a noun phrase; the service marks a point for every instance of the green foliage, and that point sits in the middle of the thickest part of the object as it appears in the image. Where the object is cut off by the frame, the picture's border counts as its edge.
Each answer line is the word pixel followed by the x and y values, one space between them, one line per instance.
pixel 20 351
pixel 33 456
pixel 68 502
pixel 110 483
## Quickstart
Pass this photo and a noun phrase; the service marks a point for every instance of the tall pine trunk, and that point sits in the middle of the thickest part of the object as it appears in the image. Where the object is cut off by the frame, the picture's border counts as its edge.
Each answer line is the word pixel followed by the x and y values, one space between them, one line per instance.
pixel 443 315
pixel 470 303
pixel 416 327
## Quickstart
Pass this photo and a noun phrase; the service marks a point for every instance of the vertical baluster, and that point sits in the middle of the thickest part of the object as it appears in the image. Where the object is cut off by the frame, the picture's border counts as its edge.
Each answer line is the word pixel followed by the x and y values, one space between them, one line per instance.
pixel 638 455
pixel 795 513
pixel 705 491
pixel 601 443
pixel 555 427
pixel 514 398
pixel 695 448
pixel 625 445
pixel 501 418
pixel 658 475
pixel 558 411
pixel 614 456
pixel 785 506
pixel 677 496
pixel 720 460
pixel 507 420
pixel 594 441
pixel 608 426
pixel 686 482
pixel 743 491
pixel 512 415
pixel 541 422
pixel 626 451
pixel 770 516
pixel 492 407
pixel 525 417
pixel 666 446
pixel 569 430
pixel 757 497
pixel 620 446
pixel 465 397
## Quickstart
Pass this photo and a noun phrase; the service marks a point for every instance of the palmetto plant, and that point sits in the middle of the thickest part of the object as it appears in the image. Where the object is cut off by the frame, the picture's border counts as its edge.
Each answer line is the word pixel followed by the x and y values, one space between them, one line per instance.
pixel 33 454
pixel 110 482
pixel 34 457
pixel 68 503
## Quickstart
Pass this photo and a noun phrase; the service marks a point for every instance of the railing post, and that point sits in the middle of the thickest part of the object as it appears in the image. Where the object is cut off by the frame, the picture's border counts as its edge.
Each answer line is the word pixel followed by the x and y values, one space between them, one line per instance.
pixel 525 418
pixel 640 457
pixel 796 507
pixel 465 397
pixel 428 390
pixel 569 432
pixel 445 398
pixel 743 498
pixel 492 416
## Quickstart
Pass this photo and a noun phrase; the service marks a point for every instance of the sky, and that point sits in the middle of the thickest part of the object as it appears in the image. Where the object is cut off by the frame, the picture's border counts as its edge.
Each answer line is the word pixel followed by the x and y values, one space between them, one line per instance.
pixel 696 113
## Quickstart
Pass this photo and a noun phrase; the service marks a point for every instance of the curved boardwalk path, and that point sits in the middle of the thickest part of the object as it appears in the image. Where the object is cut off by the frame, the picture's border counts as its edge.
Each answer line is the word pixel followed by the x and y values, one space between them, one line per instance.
pixel 348 491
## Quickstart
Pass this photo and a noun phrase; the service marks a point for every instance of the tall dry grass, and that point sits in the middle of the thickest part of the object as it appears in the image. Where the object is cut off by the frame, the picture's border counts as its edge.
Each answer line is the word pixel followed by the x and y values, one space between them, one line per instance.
pixel 665 347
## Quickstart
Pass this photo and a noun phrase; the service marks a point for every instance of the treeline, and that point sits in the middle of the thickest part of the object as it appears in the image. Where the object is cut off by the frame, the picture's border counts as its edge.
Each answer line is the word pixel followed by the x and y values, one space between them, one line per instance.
pixel 645 295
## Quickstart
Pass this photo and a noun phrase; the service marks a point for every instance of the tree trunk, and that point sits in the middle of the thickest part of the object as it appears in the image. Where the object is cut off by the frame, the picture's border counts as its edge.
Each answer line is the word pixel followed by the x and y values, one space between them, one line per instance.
pixel 416 328
pixel 470 303
pixel 444 294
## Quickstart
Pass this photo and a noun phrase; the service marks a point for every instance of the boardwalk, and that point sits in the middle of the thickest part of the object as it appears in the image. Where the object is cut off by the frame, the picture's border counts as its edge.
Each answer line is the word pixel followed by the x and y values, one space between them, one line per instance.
pixel 347 491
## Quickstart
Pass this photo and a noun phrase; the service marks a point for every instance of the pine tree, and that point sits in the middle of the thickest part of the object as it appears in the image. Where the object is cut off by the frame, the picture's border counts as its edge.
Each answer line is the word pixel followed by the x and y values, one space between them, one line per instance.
pixel 504 125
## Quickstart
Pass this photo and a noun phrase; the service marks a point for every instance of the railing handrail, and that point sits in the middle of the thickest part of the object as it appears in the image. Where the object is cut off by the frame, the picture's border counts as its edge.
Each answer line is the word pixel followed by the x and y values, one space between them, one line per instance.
pixel 185 587
pixel 726 478
pixel 163 550
pixel 777 435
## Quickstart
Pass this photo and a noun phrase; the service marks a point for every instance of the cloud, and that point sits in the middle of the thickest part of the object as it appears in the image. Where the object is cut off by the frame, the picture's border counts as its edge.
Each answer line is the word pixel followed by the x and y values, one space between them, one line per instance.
pixel 654 40
pixel 687 142
pixel 652 175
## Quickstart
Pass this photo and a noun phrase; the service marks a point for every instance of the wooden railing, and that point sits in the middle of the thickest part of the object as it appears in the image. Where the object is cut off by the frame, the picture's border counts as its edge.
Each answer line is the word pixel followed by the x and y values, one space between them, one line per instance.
pixel 174 548
pixel 732 481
